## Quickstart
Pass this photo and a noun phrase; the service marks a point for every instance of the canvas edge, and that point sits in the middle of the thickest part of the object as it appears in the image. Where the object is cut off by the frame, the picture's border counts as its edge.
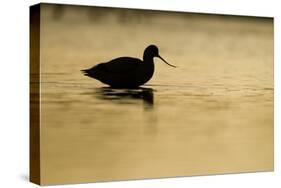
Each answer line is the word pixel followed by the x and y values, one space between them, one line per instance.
pixel 34 94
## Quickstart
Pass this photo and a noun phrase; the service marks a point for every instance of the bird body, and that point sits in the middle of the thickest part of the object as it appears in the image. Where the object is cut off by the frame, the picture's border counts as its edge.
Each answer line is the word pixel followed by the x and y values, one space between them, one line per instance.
pixel 126 72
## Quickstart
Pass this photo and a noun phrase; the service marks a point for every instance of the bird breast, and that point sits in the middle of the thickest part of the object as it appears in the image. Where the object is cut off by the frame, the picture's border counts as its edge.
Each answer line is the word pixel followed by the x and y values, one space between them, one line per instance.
pixel 145 72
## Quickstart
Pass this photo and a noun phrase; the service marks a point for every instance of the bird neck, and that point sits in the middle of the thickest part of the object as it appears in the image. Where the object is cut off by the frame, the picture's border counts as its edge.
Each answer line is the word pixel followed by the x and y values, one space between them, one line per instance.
pixel 146 69
pixel 148 65
pixel 147 58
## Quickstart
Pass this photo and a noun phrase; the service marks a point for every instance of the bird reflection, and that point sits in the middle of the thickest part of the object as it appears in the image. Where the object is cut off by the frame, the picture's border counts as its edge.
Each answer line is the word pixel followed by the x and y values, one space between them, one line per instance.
pixel 121 95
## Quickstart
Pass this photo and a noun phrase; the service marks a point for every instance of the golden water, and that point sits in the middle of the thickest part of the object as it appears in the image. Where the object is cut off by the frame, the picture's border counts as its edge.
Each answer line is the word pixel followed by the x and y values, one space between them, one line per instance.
pixel 213 114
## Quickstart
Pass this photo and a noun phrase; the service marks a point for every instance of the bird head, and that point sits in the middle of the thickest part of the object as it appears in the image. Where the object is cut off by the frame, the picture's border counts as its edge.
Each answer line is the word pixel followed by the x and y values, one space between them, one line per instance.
pixel 153 51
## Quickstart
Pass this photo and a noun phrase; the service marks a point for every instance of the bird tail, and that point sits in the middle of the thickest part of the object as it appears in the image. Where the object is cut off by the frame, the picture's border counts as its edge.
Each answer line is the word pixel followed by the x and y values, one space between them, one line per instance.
pixel 92 72
pixel 85 72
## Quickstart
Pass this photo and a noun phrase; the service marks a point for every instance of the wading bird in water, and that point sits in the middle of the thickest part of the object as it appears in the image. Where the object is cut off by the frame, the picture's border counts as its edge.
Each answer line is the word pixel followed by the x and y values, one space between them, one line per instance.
pixel 126 72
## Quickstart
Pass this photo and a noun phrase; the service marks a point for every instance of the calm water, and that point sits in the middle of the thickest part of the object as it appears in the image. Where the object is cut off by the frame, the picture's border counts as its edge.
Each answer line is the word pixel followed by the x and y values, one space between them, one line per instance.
pixel 212 114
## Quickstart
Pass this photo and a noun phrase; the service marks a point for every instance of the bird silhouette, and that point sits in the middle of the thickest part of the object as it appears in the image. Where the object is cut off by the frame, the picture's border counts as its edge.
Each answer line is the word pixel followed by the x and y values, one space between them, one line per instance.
pixel 126 72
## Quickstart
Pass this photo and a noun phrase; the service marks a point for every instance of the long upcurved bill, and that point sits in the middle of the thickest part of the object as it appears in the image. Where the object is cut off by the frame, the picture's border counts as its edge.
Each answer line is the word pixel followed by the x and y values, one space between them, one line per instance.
pixel 165 61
